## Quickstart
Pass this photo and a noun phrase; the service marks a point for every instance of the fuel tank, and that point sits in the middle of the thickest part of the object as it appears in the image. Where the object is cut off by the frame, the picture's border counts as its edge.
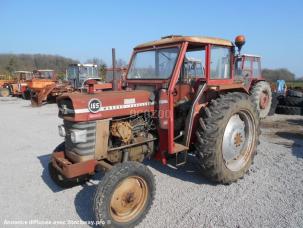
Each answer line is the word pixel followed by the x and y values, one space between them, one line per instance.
pixel 78 106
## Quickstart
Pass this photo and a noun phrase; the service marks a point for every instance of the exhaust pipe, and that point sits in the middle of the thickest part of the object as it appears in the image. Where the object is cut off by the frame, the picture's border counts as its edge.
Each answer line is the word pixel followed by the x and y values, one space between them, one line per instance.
pixel 115 82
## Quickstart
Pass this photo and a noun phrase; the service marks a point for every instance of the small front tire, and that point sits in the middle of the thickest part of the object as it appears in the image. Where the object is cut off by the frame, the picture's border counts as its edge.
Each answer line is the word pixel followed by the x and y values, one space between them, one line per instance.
pixel 124 195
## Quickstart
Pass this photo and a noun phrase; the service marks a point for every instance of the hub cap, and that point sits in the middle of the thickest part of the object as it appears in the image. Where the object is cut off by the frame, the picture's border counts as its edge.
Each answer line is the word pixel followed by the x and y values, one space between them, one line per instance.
pixel 128 199
pixel 264 100
pixel 238 140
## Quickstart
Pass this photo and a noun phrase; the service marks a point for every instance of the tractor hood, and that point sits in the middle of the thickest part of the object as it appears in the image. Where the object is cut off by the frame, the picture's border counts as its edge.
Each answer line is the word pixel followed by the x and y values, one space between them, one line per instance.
pixel 108 104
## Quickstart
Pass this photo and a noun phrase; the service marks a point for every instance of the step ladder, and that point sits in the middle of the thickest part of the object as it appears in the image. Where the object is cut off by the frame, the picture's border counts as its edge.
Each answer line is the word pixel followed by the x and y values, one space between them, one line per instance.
pixel 180 150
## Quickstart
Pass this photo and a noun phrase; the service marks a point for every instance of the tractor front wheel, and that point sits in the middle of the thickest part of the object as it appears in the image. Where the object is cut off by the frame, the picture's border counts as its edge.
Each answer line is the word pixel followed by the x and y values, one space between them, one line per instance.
pixel 227 137
pixel 124 195
pixel 4 92
pixel 262 97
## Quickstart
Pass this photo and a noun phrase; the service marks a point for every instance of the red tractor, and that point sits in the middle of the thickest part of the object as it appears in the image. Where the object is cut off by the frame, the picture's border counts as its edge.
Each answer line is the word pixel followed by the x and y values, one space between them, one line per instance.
pixel 182 94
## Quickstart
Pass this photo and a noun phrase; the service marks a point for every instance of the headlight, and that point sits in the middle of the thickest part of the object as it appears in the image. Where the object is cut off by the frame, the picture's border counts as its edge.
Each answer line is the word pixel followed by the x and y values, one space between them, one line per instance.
pixel 61 129
pixel 78 136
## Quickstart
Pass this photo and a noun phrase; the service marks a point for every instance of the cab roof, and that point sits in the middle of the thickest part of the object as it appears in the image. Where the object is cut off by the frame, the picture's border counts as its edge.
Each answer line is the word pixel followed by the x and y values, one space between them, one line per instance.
pixel 193 39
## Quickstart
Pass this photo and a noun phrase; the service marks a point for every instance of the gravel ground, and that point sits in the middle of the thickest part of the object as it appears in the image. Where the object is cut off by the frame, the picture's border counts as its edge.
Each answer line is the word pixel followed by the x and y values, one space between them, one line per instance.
pixel 270 195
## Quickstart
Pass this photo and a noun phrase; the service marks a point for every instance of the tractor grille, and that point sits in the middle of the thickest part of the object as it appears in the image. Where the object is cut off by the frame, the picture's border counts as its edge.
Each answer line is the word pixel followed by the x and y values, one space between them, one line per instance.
pixel 87 148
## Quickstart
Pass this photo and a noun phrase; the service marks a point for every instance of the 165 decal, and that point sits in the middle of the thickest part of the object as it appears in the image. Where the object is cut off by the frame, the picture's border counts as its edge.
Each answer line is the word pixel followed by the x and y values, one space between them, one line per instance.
pixel 94 105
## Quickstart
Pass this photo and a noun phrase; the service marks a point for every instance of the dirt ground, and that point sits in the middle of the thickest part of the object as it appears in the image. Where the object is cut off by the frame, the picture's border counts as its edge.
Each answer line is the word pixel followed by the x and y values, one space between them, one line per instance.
pixel 270 195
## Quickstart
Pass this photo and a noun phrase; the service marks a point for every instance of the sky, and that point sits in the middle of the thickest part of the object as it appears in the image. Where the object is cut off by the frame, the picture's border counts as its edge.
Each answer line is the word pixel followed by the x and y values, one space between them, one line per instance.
pixel 87 29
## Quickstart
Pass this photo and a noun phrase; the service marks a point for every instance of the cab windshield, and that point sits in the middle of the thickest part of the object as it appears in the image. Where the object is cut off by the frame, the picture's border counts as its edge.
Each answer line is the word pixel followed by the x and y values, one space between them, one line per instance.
pixel 153 64
pixel 83 71
pixel 46 74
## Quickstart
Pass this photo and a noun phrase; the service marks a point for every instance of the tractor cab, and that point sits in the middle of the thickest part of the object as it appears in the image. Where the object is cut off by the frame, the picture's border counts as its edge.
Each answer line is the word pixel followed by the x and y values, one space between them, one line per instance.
pixel 85 77
pixel 45 74
pixel 177 70
pixel 78 74
pixel 248 68
pixel 23 75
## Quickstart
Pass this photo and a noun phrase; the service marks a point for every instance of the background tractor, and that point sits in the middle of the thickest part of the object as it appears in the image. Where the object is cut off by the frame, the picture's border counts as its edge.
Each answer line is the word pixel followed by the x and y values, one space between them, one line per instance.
pixel 17 85
pixel 20 87
pixel 248 71
pixel 182 94
pixel 43 86
pixel 83 77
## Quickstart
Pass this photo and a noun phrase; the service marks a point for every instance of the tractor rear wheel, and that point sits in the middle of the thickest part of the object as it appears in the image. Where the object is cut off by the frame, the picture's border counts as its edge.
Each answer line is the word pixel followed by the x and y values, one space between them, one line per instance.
pixel 124 195
pixel 227 137
pixel 262 96
pixel 4 92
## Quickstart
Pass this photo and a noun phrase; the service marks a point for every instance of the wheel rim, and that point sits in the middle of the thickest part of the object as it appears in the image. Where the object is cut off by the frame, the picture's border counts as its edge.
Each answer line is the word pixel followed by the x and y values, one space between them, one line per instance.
pixel 238 140
pixel 4 92
pixel 264 100
pixel 129 199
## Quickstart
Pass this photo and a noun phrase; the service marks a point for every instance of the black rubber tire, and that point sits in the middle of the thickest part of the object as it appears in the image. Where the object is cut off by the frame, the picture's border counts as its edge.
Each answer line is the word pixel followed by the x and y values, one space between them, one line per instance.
pixel 274 103
pixel 26 95
pixel 294 93
pixel 256 92
pixel 293 101
pixel 210 131
pixel 289 110
pixel 4 92
pixel 281 100
pixel 107 185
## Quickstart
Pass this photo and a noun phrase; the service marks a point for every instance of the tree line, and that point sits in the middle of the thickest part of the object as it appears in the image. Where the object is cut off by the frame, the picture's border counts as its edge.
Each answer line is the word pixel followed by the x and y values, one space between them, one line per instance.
pixel 273 75
pixel 29 62
pixel 10 63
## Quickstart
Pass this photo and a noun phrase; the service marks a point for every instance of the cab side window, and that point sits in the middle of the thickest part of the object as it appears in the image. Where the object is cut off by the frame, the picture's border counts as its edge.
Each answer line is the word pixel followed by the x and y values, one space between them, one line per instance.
pixel 220 63
pixel 247 68
pixel 256 69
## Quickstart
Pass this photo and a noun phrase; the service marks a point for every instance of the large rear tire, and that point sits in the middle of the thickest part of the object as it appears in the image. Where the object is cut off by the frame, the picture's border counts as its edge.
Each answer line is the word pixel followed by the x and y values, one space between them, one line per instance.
pixel 294 101
pixel 289 110
pixel 261 95
pixel 124 195
pixel 294 93
pixel 274 104
pixel 227 137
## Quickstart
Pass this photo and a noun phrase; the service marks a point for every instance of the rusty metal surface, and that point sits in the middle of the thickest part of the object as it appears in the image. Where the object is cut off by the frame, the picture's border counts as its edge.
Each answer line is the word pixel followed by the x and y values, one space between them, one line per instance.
pixel 69 169
pixel 113 104
pixel 41 95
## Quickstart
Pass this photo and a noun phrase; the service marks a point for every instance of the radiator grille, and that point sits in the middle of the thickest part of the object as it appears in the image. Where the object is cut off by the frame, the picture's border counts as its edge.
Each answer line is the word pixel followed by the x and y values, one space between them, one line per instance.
pixel 87 148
